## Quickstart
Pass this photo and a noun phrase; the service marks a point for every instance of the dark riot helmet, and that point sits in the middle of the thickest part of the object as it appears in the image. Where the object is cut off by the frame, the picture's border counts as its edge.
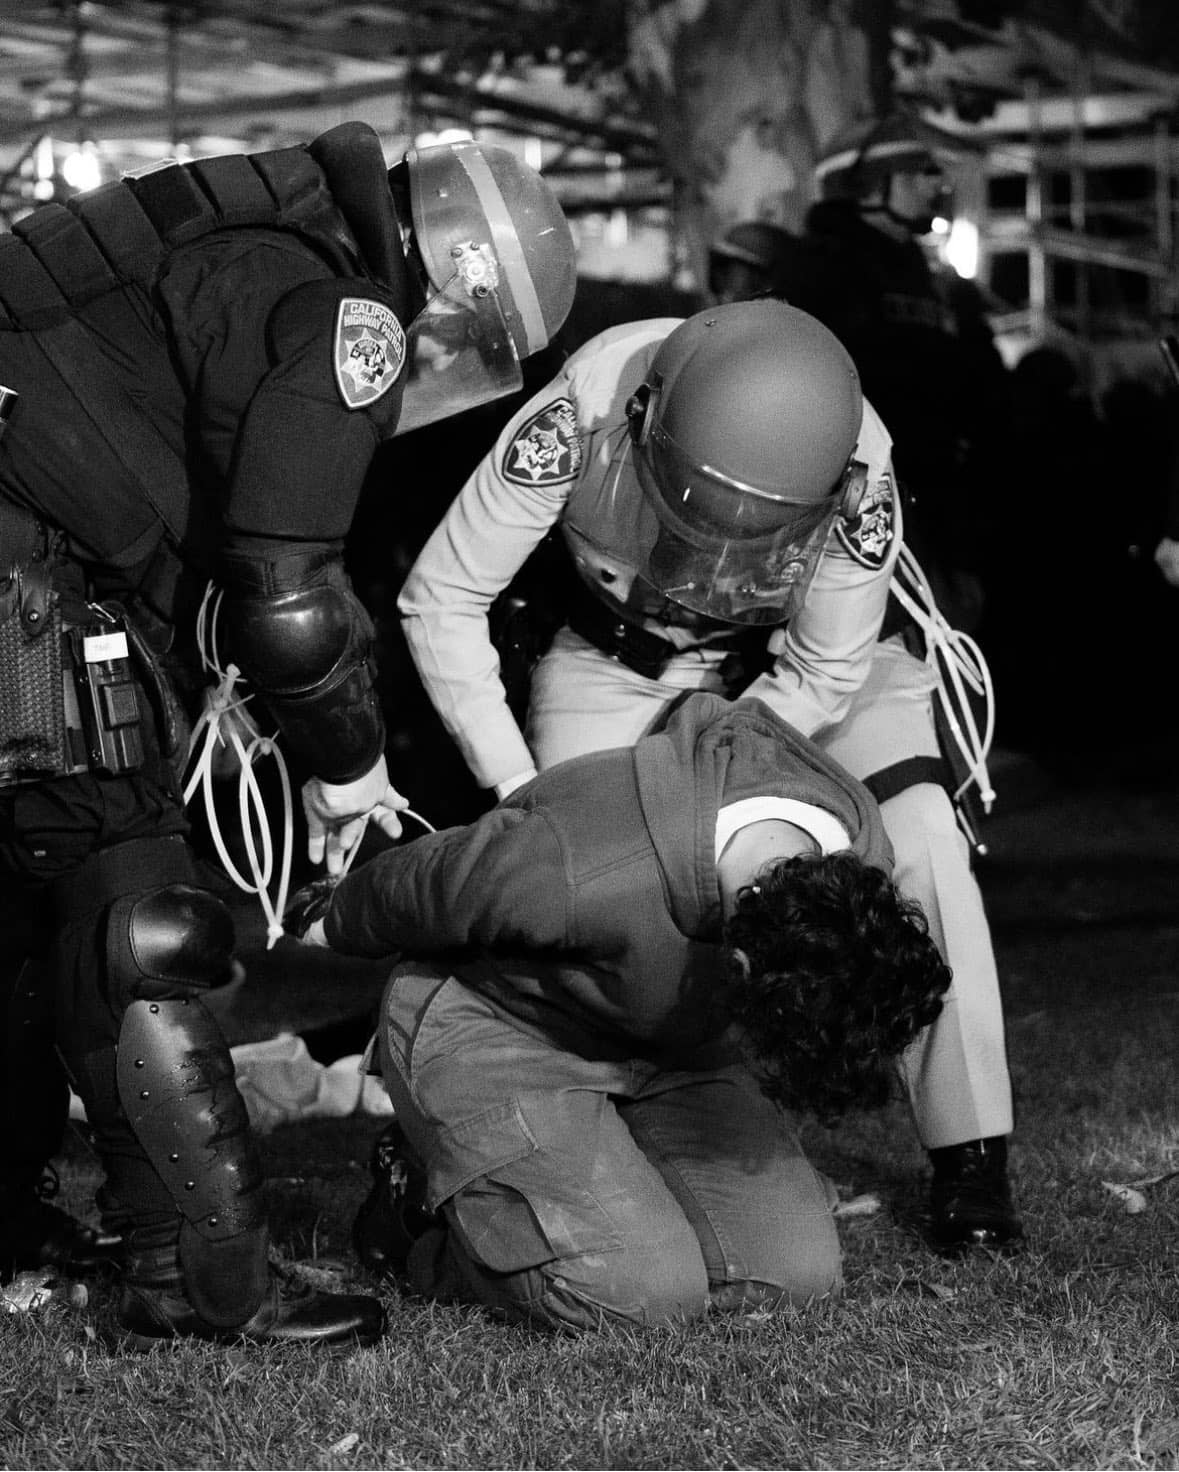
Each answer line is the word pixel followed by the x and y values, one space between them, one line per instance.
pixel 859 163
pixel 749 259
pixel 743 436
pixel 499 272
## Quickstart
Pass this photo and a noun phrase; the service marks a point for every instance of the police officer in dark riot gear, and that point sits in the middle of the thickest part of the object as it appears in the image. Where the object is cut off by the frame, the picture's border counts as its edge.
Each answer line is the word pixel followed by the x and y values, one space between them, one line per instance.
pixel 201 363
pixel 918 334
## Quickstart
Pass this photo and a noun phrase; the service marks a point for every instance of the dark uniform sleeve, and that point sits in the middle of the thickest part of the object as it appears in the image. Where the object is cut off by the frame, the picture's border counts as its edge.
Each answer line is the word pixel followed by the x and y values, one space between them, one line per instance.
pixel 496 883
pixel 295 376
pixel 330 394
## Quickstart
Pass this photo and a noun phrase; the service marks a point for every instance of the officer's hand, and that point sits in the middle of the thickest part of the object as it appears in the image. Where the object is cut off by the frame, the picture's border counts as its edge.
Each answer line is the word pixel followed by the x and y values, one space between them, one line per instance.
pixel 1166 557
pixel 337 814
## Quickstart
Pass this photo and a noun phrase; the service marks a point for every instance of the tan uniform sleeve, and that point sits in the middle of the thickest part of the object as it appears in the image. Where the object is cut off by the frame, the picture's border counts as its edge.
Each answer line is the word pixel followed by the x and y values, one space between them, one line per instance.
pixel 822 657
pixel 498 518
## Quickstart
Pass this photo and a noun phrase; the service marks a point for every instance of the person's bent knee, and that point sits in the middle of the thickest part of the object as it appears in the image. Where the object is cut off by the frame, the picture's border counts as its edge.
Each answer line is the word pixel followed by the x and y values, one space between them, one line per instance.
pixel 591 1299
pixel 587 1292
pixel 752 1296
pixel 816 1268
pixel 811 1271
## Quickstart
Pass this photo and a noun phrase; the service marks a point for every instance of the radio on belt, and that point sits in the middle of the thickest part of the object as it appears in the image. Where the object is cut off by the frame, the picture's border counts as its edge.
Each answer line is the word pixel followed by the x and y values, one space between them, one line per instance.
pixel 108 698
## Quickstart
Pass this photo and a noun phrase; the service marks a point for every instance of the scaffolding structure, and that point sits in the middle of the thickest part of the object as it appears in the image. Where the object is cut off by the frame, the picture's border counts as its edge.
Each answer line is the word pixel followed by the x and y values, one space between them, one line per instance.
pixel 1076 202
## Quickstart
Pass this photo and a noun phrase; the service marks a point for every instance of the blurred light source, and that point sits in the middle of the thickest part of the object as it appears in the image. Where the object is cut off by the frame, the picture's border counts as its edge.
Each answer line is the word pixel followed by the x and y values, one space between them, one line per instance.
pixel 961 248
pixel 447 135
pixel 82 168
pixel 43 168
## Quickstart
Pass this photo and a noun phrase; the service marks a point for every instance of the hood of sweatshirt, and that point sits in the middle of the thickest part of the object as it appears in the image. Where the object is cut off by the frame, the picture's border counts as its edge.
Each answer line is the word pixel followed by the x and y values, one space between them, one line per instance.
pixel 738 749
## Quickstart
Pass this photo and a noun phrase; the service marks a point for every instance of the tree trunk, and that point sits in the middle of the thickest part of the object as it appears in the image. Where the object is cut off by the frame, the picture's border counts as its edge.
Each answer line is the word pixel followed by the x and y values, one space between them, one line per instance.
pixel 744 94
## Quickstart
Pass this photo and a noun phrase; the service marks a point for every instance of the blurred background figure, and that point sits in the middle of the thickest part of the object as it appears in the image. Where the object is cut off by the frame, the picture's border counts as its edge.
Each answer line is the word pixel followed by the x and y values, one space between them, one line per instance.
pixel 754 258
pixel 918 335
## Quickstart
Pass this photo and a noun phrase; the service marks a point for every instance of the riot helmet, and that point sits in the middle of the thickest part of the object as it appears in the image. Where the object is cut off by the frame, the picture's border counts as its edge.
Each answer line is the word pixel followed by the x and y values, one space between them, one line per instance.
pixel 743 436
pixel 497 274
pixel 891 166
pixel 750 259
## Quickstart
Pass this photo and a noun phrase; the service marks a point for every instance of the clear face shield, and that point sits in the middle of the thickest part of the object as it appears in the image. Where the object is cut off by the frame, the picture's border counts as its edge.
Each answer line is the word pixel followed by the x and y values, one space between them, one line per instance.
pixel 732 552
pixel 459 351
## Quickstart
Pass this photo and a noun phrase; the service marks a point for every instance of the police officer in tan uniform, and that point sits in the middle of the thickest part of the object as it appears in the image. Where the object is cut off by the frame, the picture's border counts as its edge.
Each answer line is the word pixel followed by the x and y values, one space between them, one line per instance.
pixel 725 499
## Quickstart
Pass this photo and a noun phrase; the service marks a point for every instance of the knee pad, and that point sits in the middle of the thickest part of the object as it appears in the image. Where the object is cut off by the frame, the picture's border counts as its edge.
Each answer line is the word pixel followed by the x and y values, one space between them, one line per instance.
pixel 171 943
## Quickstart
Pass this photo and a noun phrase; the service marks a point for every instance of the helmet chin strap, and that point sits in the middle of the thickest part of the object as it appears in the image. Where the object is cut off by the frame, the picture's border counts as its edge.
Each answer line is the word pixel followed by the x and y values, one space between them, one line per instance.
pixel 914 226
pixel 920 226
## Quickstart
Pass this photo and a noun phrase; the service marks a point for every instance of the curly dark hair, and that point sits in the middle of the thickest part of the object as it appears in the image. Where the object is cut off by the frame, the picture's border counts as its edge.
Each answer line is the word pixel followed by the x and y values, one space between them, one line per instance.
pixel 833 974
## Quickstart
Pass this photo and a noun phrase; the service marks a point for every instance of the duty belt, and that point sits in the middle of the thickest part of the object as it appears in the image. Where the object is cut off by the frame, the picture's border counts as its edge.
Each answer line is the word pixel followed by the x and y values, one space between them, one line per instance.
pixel 70 701
pixel 649 654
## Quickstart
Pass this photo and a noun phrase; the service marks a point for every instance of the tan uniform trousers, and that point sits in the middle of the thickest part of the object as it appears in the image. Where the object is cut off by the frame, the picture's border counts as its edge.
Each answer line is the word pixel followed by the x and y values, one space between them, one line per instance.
pixel 956 1072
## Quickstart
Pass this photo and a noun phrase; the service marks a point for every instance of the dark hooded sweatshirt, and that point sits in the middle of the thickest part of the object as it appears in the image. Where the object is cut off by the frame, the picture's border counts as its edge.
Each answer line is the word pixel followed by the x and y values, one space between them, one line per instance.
pixel 587 901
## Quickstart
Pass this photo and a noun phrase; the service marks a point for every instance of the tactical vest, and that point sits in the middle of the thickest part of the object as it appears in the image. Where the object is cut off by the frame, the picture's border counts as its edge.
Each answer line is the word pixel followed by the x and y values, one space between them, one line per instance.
pixel 63 258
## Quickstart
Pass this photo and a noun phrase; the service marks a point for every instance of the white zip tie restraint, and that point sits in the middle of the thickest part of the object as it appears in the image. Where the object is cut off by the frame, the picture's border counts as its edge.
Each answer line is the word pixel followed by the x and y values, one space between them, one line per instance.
pixel 959 664
pixel 208 735
pixel 355 849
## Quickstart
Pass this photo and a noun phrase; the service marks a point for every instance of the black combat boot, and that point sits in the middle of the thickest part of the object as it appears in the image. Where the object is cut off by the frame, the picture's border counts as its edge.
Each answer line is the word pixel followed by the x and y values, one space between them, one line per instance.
pixel 394 1214
pixel 970 1198
pixel 156 1305
pixel 35 1234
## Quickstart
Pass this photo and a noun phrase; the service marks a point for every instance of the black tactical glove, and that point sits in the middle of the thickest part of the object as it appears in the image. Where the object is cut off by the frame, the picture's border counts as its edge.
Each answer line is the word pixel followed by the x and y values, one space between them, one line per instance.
pixel 309 904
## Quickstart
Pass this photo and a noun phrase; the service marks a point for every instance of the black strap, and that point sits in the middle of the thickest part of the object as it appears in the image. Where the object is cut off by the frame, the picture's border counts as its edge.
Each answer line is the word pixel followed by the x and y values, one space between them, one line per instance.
pixel 912 772
pixel 608 630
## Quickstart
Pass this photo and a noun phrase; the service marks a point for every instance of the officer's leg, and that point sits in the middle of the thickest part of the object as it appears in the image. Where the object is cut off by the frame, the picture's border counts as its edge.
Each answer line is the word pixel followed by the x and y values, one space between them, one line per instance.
pixel 956 1071
pixel 138 944
pixel 548 1211
pixel 581 700
pixel 34 1101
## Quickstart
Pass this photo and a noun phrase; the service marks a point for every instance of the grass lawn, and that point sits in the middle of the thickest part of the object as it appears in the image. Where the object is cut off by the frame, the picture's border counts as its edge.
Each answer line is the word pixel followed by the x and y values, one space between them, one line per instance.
pixel 1064 1356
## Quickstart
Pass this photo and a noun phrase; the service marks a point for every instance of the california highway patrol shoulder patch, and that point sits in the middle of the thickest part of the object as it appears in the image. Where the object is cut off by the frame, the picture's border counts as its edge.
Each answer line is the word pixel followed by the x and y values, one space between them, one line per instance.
pixel 368 352
pixel 867 536
pixel 547 449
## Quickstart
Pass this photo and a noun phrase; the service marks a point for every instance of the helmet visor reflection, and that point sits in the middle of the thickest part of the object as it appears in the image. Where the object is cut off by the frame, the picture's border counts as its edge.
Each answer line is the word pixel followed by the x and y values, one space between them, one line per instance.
pixel 763 580
pixel 729 552
pixel 460 355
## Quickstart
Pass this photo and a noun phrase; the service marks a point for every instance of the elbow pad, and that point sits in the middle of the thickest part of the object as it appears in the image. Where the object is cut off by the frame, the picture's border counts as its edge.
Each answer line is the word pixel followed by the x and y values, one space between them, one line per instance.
pixel 304 641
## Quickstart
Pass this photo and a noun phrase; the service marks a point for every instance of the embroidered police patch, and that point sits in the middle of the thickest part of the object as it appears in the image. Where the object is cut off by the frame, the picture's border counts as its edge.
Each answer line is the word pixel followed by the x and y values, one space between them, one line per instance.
pixel 547 450
pixel 369 351
pixel 867 536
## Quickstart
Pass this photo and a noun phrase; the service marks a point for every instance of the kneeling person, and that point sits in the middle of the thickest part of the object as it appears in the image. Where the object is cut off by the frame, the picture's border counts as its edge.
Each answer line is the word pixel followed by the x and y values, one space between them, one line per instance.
pixel 612 984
